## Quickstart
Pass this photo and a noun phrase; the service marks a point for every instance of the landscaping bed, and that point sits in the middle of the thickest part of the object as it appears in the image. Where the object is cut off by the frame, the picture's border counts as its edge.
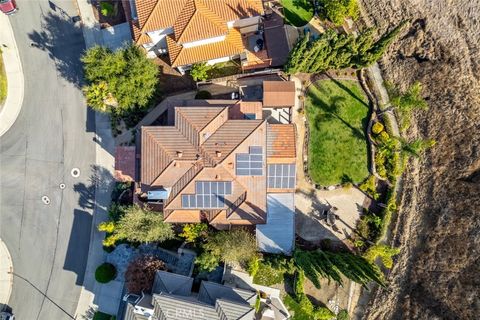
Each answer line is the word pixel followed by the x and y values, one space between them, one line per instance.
pixel 297 12
pixel 337 115
pixel 3 81
pixel 108 13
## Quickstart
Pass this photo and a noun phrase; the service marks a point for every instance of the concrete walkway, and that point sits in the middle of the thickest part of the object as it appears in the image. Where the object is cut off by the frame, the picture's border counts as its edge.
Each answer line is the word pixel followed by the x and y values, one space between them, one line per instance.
pixel 6 275
pixel 13 69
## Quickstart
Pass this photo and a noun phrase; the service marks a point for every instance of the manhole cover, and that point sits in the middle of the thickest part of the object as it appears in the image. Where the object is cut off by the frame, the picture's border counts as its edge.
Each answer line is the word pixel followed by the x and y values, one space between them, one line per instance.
pixel 62 186
pixel 75 172
pixel 46 200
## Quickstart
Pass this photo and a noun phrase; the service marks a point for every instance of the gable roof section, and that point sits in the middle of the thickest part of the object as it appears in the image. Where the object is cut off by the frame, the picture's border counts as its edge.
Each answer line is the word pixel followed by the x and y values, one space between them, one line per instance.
pixel 182 15
pixel 170 307
pixel 198 117
pixel 159 148
pixel 172 283
pixel 197 21
pixel 210 292
pixel 231 310
pixel 180 55
pixel 228 137
pixel 278 93
pixel 281 141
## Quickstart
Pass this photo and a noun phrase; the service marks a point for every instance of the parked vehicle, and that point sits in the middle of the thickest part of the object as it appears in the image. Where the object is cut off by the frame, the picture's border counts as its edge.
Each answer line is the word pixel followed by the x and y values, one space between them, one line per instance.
pixel 6 316
pixel 8 6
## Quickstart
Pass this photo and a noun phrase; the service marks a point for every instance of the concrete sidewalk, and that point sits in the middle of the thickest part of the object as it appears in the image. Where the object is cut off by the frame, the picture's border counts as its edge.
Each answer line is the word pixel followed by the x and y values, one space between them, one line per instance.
pixel 6 275
pixel 95 296
pixel 13 68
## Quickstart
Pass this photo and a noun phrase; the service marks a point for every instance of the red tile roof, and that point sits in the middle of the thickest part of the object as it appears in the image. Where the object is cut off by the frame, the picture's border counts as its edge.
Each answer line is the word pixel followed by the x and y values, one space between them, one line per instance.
pixel 278 93
pixel 281 141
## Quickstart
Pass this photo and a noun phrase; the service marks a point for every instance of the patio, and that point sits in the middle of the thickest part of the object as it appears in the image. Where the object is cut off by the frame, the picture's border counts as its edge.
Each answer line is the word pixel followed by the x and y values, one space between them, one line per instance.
pixel 313 225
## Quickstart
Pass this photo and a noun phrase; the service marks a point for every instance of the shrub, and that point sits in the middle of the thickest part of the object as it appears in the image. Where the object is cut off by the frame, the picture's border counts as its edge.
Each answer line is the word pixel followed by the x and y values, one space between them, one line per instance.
pixel 272 269
pixel 384 252
pixel 253 266
pixel 106 9
pixel 199 71
pixel 193 231
pixel 336 11
pixel 369 187
pixel 377 128
pixel 106 226
pixel 203 94
pixel 105 273
pixel 343 315
pixel 235 246
pixel 103 316
pixel 140 273
pixel 207 261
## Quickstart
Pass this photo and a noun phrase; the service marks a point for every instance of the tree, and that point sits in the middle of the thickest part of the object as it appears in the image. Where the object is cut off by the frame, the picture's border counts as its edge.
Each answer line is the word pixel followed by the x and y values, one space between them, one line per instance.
pixel 372 55
pixel 338 51
pixel 199 71
pixel 384 252
pixel 140 273
pixel 142 225
pixel 118 81
pixel 193 231
pixel 343 315
pixel 235 246
pixel 337 10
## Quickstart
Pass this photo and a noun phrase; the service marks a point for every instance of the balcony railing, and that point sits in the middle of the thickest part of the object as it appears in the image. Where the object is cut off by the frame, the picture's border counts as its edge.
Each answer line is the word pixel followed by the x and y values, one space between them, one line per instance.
pixel 183 181
pixel 232 207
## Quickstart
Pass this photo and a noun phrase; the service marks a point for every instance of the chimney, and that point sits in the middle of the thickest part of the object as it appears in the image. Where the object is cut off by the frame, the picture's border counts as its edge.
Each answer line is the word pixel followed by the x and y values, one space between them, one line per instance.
pixel 219 153
pixel 179 154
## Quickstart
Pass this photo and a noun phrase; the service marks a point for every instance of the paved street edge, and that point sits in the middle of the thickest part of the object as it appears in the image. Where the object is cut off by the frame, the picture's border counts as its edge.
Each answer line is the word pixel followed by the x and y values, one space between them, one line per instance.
pixel 6 274
pixel 15 79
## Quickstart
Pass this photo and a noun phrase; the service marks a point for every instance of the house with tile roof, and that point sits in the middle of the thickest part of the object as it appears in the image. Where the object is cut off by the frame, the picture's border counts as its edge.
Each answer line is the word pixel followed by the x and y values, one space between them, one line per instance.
pixel 222 164
pixel 193 31
pixel 172 298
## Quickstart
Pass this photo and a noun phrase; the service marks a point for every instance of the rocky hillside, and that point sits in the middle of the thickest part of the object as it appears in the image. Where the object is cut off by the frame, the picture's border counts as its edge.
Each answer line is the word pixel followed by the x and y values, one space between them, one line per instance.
pixel 437 274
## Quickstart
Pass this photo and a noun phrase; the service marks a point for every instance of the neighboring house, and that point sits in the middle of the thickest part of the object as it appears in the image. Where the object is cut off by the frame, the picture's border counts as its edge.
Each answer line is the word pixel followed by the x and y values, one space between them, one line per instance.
pixel 193 31
pixel 279 99
pixel 224 165
pixel 172 298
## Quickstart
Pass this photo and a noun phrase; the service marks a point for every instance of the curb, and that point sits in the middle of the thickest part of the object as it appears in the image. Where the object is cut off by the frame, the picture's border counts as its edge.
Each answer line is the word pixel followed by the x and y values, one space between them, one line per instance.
pixel 6 275
pixel 15 79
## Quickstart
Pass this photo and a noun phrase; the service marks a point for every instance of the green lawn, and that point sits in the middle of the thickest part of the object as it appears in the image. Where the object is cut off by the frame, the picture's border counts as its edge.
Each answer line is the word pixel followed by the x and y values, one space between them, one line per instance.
pixel 103 316
pixel 3 80
pixel 337 115
pixel 298 12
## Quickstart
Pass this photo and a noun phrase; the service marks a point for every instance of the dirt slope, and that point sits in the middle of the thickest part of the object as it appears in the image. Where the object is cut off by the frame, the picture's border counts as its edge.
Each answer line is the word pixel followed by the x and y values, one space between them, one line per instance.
pixel 437 275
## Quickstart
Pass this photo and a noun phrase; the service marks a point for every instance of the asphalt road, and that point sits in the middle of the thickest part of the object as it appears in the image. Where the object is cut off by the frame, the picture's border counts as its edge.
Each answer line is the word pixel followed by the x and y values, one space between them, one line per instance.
pixel 52 135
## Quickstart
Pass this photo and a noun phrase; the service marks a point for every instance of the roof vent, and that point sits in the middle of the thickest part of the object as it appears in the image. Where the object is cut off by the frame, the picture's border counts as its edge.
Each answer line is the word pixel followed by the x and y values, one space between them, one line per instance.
pixel 218 153
pixel 179 154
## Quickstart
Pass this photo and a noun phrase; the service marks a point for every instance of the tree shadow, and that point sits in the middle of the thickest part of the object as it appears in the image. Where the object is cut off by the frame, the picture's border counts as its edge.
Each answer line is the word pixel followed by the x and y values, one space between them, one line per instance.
pixel 332 111
pixel 100 179
pixel 63 40
pixel 347 90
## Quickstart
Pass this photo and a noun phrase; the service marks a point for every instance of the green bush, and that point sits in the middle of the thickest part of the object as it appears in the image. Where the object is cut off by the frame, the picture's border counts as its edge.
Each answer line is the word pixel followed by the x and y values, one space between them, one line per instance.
pixel 103 316
pixel 272 270
pixel 105 273
pixel 203 94
pixel 199 71
pixel 369 187
pixel 336 11
pixel 377 128
pixel 107 9
pixel 343 315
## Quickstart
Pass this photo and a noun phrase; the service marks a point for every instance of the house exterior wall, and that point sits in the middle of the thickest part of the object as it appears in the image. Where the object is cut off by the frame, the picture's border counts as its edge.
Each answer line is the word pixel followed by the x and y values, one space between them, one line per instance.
pixel 251 22
pixel 158 37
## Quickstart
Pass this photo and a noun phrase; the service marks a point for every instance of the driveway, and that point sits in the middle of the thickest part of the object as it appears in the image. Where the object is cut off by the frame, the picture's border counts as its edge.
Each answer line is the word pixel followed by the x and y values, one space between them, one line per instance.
pixel 53 134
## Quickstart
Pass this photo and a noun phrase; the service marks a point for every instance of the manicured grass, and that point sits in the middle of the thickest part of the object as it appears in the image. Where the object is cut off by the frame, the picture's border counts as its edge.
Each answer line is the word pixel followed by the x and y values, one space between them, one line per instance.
pixel 3 80
pixel 224 69
pixel 337 115
pixel 298 12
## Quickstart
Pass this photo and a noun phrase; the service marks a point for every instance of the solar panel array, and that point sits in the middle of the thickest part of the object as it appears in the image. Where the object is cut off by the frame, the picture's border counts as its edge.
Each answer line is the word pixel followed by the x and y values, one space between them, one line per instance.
pixel 250 164
pixel 208 194
pixel 281 176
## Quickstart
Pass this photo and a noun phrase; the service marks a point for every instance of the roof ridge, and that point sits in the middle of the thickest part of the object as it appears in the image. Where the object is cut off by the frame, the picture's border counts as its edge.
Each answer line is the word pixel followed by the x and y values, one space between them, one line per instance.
pixel 177 39
pixel 170 159
pixel 221 110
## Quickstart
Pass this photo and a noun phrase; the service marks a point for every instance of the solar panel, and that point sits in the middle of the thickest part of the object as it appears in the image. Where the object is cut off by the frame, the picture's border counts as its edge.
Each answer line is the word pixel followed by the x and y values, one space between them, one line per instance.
pixel 251 163
pixel 281 176
pixel 208 194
